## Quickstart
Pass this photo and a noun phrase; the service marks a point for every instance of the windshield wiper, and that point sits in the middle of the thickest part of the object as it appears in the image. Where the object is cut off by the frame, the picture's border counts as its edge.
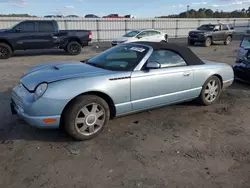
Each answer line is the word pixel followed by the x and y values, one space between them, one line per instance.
pixel 95 65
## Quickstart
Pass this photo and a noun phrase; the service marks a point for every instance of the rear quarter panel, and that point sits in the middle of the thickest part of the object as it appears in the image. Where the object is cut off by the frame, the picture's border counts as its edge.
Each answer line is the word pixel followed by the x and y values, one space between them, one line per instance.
pixel 201 74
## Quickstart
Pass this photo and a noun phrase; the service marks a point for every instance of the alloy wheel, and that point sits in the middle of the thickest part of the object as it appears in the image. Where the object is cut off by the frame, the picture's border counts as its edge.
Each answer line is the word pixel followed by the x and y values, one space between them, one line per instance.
pixel 90 119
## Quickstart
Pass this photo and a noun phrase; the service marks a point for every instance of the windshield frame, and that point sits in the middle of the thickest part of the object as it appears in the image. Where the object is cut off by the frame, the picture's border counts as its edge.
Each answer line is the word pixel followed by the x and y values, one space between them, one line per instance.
pixel 137 66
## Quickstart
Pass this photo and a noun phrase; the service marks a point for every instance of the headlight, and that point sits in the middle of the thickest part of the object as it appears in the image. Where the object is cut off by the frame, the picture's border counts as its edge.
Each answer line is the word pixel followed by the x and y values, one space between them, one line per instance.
pixel 40 90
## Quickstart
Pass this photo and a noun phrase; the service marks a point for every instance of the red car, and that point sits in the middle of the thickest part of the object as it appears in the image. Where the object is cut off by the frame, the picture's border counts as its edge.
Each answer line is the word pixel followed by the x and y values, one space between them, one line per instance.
pixel 113 16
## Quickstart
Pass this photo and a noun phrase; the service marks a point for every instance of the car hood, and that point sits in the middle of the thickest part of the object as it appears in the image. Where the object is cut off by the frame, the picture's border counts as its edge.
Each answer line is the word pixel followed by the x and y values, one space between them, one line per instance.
pixel 52 72
pixel 121 39
pixel 3 30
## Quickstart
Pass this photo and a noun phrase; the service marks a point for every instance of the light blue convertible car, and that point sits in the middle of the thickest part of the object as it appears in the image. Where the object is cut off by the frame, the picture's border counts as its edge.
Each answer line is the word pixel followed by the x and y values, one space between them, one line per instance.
pixel 132 77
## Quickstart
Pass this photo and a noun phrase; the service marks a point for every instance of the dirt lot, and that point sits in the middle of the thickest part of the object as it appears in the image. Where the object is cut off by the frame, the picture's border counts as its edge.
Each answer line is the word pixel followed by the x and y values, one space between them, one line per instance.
pixel 179 146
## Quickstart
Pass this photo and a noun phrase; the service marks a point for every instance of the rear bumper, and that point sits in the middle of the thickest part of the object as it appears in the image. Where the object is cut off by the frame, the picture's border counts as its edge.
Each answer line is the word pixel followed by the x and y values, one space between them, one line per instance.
pixel 227 83
pixel 35 121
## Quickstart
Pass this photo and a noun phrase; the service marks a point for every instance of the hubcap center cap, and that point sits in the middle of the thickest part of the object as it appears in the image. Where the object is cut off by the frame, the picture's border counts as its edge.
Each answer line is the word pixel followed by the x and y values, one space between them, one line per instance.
pixel 91 119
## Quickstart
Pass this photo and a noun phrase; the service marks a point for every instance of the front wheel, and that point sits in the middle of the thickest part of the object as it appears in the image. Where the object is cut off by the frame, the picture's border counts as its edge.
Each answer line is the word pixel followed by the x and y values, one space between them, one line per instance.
pixel 208 42
pixel 74 48
pixel 86 117
pixel 210 91
pixel 228 40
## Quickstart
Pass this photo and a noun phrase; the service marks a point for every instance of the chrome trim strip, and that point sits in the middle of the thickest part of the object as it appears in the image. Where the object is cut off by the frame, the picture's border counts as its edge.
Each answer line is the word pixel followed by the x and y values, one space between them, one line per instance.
pixel 170 94
pixel 159 96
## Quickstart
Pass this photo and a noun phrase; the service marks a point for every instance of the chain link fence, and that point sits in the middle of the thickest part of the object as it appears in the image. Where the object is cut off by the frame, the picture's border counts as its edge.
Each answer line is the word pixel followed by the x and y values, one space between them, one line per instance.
pixel 105 29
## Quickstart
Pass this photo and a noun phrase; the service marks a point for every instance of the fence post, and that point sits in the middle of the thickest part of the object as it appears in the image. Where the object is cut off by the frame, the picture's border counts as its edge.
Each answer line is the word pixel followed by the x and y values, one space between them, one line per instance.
pixel 126 25
pixel 199 23
pixel 98 30
pixel 234 23
pixel 248 23
pixel 65 24
pixel 153 23
pixel 176 28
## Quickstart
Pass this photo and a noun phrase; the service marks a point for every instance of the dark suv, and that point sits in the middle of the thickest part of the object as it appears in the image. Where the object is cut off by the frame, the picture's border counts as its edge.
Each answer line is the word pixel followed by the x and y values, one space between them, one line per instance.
pixel 209 33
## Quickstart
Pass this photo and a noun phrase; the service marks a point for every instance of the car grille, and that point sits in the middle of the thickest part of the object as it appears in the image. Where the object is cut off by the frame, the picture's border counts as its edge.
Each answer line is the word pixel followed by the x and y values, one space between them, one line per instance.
pixel 193 36
pixel 17 100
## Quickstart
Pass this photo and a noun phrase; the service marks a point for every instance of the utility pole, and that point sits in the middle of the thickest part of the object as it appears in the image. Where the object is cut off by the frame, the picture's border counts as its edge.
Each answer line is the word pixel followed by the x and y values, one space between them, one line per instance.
pixel 188 10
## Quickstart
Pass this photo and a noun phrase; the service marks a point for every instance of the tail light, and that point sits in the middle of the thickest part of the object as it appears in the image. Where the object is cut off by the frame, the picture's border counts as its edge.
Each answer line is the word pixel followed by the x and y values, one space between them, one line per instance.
pixel 90 35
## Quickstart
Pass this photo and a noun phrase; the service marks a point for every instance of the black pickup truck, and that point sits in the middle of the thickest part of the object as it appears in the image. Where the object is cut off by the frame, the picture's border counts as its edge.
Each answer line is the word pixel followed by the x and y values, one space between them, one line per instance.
pixel 209 33
pixel 40 34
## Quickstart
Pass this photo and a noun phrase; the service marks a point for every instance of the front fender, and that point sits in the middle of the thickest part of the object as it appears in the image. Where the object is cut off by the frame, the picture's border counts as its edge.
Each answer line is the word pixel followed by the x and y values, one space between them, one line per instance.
pixel 60 93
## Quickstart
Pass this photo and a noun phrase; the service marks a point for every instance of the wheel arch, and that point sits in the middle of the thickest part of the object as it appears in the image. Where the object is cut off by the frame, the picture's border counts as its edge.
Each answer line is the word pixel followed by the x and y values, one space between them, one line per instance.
pixel 218 76
pixel 100 94
pixel 6 42
pixel 76 39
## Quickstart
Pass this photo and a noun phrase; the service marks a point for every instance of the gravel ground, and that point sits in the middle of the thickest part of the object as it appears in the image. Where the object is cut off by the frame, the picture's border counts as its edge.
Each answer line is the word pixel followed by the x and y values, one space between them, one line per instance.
pixel 184 145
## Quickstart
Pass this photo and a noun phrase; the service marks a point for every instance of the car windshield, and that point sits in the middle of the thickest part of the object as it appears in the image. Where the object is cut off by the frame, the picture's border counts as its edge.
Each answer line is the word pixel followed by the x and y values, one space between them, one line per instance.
pixel 120 58
pixel 245 42
pixel 131 34
pixel 13 26
pixel 207 27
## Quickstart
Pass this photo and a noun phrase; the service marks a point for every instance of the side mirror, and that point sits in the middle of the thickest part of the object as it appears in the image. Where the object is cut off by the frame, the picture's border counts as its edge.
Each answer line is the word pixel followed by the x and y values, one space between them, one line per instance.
pixel 139 37
pixel 17 29
pixel 198 28
pixel 216 30
pixel 153 65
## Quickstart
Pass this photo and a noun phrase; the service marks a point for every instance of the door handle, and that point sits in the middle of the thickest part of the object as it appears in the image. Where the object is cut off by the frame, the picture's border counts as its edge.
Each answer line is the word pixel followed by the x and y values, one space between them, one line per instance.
pixel 186 73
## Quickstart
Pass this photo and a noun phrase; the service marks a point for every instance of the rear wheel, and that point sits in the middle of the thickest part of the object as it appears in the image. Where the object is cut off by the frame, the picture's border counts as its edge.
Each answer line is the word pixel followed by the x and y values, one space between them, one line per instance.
pixel 228 40
pixel 86 117
pixel 5 51
pixel 74 48
pixel 210 91
pixel 208 42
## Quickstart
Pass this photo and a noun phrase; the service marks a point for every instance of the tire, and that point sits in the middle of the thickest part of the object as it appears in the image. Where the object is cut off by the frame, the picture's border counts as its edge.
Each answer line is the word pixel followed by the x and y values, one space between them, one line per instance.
pixel 206 92
pixel 82 110
pixel 208 42
pixel 228 40
pixel 5 51
pixel 191 42
pixel 74 48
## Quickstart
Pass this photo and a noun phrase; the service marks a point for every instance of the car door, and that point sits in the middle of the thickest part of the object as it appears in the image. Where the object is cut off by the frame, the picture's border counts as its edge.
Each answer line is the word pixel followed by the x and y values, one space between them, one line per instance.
pixel 169 84
pixel 45 37
pixel 143 36
pixel 155 36
pixel 225 30
pixel 23 35
pixel 217 33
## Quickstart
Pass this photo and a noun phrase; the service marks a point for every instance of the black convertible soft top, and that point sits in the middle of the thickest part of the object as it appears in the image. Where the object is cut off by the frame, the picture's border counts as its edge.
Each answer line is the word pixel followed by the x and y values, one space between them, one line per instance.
pixel 186 53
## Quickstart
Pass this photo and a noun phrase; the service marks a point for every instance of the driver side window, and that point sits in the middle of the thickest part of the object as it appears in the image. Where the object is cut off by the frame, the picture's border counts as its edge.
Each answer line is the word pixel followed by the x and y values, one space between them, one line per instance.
pixel 143 34
pixel 26 27
pixel 217 27
pixel 167 58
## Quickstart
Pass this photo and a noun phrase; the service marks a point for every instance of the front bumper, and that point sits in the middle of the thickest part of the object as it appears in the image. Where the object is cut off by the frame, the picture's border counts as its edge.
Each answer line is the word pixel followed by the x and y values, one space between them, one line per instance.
pixel 35 121
pixel 242 72
pixel 35 113
pixel 198 38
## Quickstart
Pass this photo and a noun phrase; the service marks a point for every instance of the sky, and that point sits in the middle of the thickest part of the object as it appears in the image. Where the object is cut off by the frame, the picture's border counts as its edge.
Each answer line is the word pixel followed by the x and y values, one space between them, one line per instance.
pixel 139 8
